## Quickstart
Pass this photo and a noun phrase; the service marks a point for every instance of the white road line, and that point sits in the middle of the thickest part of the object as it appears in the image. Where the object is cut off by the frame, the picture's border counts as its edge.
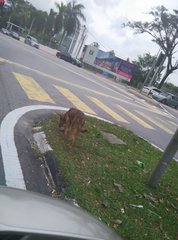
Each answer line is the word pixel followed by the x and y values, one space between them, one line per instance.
pixel 12 168
pixel 170 114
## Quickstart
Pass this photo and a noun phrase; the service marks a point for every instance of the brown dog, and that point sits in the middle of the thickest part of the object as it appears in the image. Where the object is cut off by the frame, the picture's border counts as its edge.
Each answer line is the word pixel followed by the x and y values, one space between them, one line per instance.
pixel 72 121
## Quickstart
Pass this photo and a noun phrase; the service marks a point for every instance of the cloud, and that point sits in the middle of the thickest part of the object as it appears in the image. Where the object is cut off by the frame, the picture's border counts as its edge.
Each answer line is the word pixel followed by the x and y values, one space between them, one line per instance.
pixel 105 3
pixel 44 5
pixel 117 25
pixel 104 20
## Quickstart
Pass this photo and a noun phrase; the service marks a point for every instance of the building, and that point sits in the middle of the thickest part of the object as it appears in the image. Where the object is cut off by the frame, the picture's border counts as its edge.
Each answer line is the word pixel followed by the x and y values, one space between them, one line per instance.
pixel 107 62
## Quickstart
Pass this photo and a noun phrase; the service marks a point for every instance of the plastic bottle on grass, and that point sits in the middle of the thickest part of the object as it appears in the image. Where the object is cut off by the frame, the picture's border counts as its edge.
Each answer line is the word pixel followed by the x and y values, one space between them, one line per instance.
pixel 141 164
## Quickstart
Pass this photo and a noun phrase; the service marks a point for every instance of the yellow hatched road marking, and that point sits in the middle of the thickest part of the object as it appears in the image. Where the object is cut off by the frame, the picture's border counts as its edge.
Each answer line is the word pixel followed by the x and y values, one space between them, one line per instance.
pixel 156 123
pixel 32 88
pixel 169 123
pixel 137 119
pixel 74 100
pixel 79 86
pixel 151 109
pixel 57 79
pixel 108 110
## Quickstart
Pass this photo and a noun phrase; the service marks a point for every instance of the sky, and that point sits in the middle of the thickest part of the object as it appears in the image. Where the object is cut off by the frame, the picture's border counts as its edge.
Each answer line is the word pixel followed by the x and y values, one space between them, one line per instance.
pixel 104 24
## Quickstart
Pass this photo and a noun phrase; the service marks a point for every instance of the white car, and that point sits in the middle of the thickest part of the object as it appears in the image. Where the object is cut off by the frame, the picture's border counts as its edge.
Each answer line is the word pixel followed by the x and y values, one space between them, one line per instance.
pixel 167 98
pixel 32 41
pixel 15 35
pixel 5 31
pixel 150 90
pixel 30 216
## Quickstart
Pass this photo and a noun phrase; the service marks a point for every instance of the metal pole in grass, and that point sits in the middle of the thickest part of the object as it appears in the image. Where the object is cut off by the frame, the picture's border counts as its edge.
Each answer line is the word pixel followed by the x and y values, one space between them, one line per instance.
pixel 164 161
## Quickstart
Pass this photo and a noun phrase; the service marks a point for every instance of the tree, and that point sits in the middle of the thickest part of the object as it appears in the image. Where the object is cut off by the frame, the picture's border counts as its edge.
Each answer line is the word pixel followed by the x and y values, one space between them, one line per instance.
pixel 24 14
pixel 72 16
pixel 164 31
pixel 50 24
pixel 95 44
pixel 43 25
pixel 143 65
pixel 21 13
pixel 171 87
pixel 59 22
pixel 40 21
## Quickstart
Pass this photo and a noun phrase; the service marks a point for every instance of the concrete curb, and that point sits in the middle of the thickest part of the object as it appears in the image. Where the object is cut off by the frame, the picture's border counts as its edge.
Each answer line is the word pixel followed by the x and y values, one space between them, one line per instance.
pixel 50 164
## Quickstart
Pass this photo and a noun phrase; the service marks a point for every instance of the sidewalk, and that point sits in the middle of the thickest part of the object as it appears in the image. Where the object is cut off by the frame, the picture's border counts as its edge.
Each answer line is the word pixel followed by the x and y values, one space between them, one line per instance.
pixel 137 93
pixel 48 49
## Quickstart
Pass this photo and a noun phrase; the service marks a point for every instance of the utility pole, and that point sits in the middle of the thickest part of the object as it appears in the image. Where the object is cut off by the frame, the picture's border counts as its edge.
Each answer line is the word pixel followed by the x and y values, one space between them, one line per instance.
pixel 158 68
pixel 164 161
pixel 31 25
pixel 80 46
pixel 151 70
pixel 84 35
pixel 74 39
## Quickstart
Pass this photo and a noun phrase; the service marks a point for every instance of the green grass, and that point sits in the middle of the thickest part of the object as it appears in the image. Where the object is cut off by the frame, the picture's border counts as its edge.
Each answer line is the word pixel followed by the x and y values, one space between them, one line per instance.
pixel 92 167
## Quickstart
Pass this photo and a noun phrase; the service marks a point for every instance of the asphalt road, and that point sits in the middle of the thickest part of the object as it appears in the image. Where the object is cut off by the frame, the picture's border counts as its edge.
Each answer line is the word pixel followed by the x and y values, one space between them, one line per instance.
pixel 29 76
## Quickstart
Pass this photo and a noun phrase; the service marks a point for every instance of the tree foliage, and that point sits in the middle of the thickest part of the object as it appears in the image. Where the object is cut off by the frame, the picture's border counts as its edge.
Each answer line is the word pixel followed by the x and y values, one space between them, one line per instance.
pixel 164 31
pixel 143 65
pixel 45 26
pixel 71 16
pixel 171 87
pixel 61 8
pixel 50 24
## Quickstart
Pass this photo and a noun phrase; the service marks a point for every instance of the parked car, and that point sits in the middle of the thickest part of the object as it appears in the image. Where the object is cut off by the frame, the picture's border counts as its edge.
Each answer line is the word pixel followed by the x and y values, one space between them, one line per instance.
pixel 32 41
pixel 5 31
pixel 68 58
pixel 150 90
pixel 167 98
pixel 15 35
pixel 31 216
pixel 78 63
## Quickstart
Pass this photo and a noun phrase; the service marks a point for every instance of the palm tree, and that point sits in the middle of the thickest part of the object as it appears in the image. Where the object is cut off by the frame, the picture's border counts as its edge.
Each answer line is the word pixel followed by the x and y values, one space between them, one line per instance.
pixel 50 25
pixel 21 12
pixel 72 16
pixel 60 17
pixel 51 20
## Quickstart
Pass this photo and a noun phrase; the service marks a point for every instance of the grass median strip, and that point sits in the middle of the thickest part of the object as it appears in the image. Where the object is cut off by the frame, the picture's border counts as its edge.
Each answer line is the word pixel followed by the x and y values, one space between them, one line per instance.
pixel 109 180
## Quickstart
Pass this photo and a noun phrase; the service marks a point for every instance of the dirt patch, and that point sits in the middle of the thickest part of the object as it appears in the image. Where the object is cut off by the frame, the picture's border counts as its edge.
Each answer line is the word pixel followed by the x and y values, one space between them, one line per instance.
pixel 112 138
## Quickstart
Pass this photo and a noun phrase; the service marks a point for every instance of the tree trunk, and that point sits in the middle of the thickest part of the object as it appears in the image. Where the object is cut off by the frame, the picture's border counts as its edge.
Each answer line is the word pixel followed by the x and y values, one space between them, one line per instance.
pixel 164 79
pixel 62 38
